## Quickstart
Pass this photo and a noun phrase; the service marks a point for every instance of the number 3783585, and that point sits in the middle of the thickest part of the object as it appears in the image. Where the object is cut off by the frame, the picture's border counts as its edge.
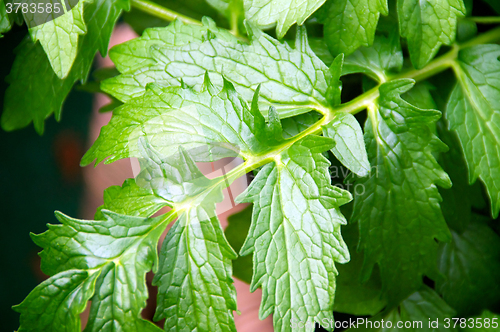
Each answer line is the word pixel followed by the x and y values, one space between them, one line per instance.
pixel 33 8
pixel 478 323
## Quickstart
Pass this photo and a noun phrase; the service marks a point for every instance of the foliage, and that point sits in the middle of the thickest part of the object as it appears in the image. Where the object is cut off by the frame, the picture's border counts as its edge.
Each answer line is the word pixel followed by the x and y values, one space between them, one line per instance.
pixel 417 244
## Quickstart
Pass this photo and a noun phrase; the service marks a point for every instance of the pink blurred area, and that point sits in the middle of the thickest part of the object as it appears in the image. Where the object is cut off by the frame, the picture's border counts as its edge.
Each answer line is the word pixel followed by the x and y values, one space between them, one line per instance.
pixel 97 179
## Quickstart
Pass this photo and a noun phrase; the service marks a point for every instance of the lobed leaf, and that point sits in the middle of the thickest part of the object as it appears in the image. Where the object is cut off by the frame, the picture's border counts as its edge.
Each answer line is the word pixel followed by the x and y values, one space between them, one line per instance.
pixel 56 304
pixel 294 81
pixel 117 251
pixel 473 111
pixel 397 206
pixel 427 25
pixel 215 123
pixel 350 24
pixel 295 234
pixel 194 278
pixel 282 13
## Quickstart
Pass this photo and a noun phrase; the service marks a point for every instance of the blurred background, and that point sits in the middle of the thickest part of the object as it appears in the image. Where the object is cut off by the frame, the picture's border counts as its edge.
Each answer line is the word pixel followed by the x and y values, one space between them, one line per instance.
pixel 38 175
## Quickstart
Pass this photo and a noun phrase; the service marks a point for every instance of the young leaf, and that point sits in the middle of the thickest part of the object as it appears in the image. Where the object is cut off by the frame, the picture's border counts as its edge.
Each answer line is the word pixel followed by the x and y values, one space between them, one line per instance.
pixel 117 251
pixel 295 234
pixel 415 313
pixel 398 208
pixel 218 123
pixel 378 60
pixel 350 24
pixel 46 91
pixel 56 304
pixel 427 25
pixel 59 38
pixel 473 255
pixel 473 111
pixel 195 287
pixel 349 146
pixel 292 80
pixel 283 13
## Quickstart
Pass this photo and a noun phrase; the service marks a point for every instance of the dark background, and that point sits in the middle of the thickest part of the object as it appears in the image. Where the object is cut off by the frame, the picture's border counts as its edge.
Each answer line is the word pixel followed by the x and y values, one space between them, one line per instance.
pixel 38 175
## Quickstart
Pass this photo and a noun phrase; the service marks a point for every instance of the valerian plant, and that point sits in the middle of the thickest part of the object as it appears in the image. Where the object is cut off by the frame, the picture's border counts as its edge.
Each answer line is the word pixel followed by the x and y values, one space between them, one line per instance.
pixel 411 239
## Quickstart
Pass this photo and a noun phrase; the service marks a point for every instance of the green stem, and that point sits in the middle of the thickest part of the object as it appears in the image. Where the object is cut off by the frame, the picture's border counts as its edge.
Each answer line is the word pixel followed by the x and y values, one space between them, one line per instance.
pixel 485 19
pixel 436 66
pixel 156 10
pixel 489 37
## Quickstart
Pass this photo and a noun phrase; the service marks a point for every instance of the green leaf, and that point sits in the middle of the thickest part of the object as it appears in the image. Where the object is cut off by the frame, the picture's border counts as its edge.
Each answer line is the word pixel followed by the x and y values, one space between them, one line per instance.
pixel 294 81
pixel 297 124
pixel 46 91
pixel 486 316
pixel 420 96
pixel 59 38
pixel 353 296
pixel 473 111
pixel 236 233
pixel 217 123
pixel 282 13
pixel 378 60
pixel 56 304
pixel 295 234
pixel 427 25
pixel 195 287
pixel 194 281
pixel 416 313
pixel 349 147
pixel 132 200
pixel 349 24
pixel 320 48
pixel 398 207
pixel 118 251
pixel 471 265
pixel 458 200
